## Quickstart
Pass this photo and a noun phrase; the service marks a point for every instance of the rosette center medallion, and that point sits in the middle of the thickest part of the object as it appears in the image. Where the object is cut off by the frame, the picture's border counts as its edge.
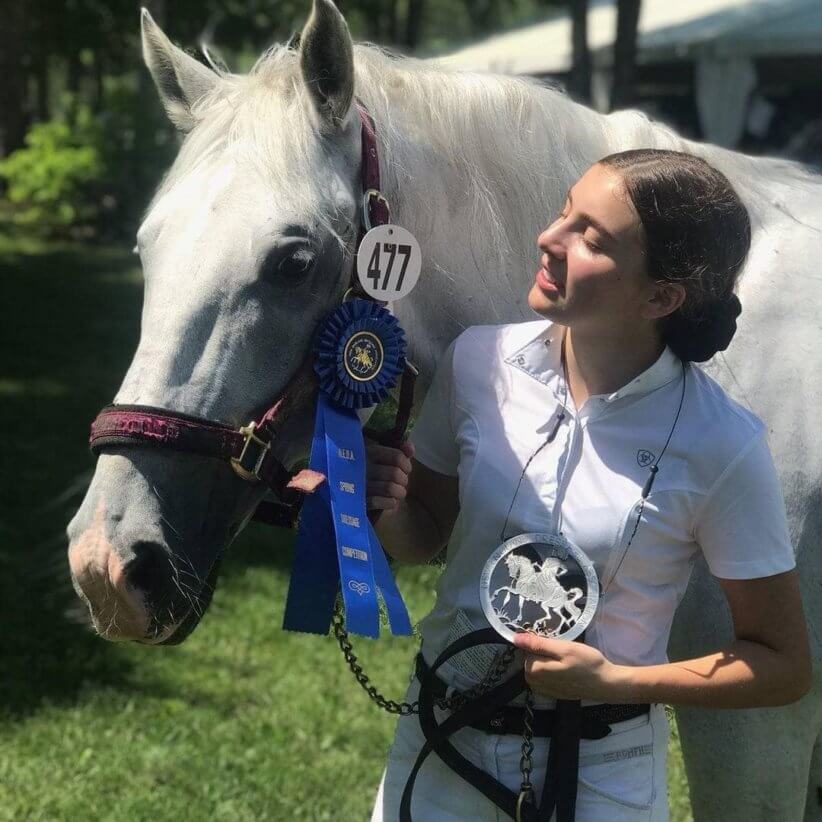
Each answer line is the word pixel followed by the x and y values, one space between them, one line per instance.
pixel 363 356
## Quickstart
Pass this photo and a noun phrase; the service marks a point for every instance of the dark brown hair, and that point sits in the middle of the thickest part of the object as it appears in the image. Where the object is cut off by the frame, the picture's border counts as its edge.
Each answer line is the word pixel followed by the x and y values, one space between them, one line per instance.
pixel 697 232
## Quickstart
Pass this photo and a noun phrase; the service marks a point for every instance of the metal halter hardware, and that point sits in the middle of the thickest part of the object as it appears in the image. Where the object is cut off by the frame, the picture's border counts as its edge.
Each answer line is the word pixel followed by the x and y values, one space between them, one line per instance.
pixel 371 197
pixel 249 448
pixel 248 464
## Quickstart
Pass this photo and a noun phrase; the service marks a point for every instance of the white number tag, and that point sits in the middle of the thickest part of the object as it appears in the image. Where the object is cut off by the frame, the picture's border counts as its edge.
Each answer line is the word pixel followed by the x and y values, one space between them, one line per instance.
pixel 389 262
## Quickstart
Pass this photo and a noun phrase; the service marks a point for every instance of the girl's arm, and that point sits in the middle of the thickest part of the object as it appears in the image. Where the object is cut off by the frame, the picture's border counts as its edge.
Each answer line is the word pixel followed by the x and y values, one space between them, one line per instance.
pixel 419 505
pixel 768 663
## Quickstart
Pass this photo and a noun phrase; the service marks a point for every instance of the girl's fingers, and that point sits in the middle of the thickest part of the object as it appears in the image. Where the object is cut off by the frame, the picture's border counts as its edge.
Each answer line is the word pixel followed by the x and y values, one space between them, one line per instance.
pixel 537 665
pixel 381 455
pixel 380 503
pixel 541 646
pixel 392 490
pixel 388 473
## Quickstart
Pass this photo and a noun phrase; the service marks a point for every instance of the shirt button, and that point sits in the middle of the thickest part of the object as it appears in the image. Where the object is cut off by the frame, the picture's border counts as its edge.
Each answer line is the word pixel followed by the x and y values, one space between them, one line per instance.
pixel 520 360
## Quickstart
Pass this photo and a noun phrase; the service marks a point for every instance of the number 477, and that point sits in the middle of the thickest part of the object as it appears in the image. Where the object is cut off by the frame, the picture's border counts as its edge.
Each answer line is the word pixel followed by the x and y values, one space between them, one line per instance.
pixel 375 270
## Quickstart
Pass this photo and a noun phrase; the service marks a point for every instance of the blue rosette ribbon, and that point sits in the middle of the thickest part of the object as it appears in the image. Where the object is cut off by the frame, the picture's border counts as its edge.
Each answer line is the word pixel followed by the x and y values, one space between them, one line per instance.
pixel 360 352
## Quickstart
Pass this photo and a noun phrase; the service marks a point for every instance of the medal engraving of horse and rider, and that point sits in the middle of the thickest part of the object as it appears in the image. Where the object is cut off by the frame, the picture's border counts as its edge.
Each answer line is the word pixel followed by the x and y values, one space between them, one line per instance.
pixel 363 355
pixel 389 261
pixel 540 583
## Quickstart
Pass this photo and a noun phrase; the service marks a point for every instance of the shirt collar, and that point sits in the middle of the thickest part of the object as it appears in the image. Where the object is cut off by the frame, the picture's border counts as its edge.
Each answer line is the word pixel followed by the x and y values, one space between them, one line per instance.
pixel 540 358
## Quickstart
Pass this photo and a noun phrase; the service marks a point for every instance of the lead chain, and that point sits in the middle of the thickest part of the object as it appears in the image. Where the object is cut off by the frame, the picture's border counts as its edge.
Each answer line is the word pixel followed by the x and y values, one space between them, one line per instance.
pixel 344 641
pixel 457 700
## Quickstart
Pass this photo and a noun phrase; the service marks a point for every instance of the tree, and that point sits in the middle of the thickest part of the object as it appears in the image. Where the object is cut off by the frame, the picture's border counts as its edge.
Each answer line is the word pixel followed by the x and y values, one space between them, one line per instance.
pixel 413 23
pixel 579 84
pixel 13 102
pixel 625 53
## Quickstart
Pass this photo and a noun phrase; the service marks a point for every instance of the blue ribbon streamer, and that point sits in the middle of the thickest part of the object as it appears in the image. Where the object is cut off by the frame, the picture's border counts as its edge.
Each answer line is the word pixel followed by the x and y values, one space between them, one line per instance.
pixel 335 515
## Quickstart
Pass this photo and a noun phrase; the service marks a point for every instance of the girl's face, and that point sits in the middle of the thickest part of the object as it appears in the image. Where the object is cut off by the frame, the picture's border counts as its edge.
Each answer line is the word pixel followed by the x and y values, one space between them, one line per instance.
pixel 592 267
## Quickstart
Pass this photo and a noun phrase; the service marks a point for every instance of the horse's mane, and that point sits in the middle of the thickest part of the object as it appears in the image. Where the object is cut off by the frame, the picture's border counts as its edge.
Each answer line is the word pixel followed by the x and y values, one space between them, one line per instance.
pixel 473 134
pixel 485 141
pixel 519 562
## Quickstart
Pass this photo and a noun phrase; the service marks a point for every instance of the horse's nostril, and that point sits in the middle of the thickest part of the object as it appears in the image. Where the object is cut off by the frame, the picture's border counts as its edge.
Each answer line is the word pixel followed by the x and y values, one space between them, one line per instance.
pixel 150 568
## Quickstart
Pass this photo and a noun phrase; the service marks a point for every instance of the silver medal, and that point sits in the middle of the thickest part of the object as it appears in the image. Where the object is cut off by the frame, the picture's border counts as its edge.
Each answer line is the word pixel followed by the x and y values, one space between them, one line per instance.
pixel 540 583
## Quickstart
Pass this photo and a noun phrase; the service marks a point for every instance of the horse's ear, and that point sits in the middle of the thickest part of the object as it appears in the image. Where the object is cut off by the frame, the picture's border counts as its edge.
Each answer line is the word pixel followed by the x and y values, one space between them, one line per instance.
pixel 180 79
pixel 327 62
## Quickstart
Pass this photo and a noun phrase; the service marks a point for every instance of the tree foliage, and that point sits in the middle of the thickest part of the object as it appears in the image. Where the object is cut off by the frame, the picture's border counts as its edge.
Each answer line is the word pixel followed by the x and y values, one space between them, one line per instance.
pixel 50 179
pixel 82 130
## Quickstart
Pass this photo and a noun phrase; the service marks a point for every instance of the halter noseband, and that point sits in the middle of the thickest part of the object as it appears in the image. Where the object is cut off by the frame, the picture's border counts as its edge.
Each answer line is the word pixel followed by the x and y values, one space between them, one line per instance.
pixel 248 449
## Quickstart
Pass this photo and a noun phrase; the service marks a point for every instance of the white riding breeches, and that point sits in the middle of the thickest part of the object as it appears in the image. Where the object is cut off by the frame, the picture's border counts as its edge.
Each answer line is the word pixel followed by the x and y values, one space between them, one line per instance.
pixel 622 777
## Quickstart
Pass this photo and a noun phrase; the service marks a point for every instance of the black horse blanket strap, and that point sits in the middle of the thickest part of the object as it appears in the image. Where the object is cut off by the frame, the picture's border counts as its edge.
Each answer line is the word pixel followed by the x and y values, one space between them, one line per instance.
pixel 566 725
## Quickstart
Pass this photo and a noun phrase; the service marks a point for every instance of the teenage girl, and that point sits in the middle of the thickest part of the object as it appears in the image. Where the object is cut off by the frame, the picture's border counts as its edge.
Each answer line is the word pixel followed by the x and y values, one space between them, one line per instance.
pixel 556 426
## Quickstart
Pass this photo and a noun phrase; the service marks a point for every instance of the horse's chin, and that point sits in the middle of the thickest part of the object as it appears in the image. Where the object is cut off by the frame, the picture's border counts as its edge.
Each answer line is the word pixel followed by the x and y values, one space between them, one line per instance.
pixel 179 631
pixel 174 634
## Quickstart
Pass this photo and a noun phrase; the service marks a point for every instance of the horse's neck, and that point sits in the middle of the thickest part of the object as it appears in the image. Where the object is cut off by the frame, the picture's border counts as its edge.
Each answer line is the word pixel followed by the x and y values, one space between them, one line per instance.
pixel 477 201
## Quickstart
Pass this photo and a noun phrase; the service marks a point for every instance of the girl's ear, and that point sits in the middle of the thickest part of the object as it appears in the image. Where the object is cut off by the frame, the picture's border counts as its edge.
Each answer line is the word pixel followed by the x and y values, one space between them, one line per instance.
pixel 665 299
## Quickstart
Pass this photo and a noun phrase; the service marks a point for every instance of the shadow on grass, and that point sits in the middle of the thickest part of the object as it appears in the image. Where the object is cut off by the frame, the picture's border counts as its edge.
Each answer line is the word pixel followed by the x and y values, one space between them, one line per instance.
pixel 71 323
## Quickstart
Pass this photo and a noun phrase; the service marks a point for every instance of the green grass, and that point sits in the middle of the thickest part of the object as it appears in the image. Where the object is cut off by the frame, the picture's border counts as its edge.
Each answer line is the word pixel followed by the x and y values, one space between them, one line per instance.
pixel 243 721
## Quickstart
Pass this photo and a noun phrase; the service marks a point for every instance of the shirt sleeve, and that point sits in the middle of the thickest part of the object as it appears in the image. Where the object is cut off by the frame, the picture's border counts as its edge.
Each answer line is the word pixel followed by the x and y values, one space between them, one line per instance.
pixel 742 526
pixel 434 433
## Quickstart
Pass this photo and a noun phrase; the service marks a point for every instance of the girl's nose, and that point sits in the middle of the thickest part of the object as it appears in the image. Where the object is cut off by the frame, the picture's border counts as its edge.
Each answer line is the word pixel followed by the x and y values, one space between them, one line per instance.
pixel 552 242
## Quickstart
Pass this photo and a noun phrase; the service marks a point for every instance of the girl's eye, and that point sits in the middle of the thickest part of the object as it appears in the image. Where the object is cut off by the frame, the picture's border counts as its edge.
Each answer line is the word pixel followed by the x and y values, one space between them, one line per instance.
pixel 592 245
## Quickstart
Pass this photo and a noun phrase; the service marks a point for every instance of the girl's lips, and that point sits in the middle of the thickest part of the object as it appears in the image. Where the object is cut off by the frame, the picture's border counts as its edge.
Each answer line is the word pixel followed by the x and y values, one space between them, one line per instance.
pixel 545 283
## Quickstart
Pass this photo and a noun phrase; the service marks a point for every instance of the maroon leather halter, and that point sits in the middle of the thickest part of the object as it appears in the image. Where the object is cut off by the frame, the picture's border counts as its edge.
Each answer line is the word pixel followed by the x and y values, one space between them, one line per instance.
pixel 248 449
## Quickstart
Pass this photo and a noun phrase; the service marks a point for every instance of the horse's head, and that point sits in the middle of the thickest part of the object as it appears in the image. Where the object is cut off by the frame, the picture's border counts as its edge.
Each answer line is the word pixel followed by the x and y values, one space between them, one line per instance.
pixel 518 565
pixel 246 246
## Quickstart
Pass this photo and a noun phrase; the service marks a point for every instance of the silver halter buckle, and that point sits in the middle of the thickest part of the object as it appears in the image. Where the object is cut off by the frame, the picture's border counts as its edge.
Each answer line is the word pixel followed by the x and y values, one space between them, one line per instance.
pixel 371 193
pixel 251 458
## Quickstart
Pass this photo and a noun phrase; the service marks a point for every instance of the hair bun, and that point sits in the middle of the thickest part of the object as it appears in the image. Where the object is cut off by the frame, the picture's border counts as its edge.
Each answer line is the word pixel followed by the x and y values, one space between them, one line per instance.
pixel 697 340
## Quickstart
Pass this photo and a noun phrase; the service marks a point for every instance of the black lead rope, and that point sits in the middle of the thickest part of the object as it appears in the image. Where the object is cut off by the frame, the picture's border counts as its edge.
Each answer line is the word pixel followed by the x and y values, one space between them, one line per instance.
pixel 560 788
pixel 436 735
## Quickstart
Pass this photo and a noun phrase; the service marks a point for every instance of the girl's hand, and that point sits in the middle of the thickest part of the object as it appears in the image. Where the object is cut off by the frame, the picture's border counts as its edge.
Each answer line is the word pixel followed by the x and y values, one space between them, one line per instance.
pixel 386 476
pixel 570 670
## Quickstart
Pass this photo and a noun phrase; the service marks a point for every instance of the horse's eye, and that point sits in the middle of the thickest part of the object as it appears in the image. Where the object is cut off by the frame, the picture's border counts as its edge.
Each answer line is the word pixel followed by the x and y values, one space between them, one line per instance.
pixel 288 263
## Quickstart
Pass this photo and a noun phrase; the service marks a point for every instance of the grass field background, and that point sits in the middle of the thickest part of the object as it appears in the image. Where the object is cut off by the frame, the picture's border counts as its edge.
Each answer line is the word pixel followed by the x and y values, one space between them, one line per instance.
pixel 243 721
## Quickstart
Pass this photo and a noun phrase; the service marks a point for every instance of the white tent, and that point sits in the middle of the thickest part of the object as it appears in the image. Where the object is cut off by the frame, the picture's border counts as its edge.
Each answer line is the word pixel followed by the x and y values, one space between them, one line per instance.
pixel 721 36
pixel 775 28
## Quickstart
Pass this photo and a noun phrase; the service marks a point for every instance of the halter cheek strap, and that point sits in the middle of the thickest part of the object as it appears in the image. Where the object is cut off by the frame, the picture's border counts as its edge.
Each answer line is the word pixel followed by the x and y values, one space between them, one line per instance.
pixel 375 209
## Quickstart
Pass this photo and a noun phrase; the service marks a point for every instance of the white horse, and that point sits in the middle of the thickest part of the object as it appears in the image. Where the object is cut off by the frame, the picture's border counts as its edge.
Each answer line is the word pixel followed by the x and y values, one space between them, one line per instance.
pixel 248 243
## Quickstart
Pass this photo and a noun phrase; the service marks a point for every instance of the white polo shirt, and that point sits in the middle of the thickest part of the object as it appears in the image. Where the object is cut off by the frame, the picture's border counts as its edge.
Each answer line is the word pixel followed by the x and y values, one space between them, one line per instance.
pixel 494 400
